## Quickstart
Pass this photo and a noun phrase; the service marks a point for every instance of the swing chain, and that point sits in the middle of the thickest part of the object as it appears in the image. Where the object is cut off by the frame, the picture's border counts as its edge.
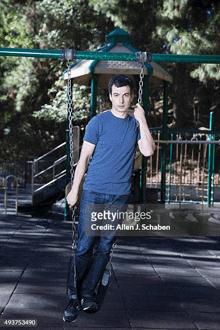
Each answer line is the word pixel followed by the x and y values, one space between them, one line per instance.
pixel 142 57
pixel 141 83
pixel 71 137
pixel 70 121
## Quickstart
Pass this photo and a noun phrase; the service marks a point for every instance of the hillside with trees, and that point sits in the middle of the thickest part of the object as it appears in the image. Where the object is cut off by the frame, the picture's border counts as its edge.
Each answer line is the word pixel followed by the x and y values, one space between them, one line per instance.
pixel 33 93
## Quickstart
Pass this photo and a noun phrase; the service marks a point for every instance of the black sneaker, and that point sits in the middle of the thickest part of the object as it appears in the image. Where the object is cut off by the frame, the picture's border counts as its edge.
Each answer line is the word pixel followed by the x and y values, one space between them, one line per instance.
pixel 71 312
pixel 89 305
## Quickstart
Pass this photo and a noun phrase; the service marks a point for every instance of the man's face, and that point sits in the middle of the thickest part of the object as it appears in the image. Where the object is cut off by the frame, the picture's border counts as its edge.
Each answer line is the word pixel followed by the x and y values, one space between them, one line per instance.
pixel 121 98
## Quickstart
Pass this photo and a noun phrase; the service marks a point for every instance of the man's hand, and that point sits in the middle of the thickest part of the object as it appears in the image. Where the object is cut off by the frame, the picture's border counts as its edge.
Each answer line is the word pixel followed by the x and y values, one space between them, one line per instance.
pixel 74 195
pixel 139 113
pixel 72 199
pixel 146 143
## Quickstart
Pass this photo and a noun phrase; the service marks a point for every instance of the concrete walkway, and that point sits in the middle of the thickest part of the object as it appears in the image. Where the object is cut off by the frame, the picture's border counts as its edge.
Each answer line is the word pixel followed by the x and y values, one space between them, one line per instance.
pixel 156 283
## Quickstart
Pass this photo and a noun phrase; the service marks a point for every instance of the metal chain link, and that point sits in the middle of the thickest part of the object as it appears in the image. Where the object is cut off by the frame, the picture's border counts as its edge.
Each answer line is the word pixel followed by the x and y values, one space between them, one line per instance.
pixel 71 137
pixel 70 120
pixel 141 83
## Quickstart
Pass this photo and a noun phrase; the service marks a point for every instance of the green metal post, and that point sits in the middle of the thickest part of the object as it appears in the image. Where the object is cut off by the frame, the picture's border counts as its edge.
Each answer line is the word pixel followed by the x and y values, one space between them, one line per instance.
pixel 164 147
pixel 170 168
pixel 144 159
pixel 94 87
pixel 213 172
pixel 210 158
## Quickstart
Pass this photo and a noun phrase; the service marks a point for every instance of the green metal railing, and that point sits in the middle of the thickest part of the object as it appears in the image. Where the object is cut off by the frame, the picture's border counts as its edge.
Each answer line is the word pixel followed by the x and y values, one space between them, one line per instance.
pixel 72 54
pixel 206 148
pixel 211 161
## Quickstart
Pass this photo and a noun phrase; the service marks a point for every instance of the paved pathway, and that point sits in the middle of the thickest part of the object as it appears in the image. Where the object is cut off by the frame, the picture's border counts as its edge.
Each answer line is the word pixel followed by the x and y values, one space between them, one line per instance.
pixel 156 283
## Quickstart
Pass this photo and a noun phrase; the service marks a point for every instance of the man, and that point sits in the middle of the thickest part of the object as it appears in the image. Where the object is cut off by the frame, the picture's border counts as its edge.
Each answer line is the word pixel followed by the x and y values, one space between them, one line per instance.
pixel 110 139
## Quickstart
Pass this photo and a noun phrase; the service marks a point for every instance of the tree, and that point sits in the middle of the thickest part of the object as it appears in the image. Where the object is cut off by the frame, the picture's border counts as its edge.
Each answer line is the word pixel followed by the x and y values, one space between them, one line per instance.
pixel 28 85
pixel 179 27
pixel 192 27
pixel 137 17
pixel 32 92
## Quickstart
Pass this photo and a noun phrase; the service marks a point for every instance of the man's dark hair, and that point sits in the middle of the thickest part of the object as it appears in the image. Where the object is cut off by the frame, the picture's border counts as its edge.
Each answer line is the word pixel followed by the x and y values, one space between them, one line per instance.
pixel 120 81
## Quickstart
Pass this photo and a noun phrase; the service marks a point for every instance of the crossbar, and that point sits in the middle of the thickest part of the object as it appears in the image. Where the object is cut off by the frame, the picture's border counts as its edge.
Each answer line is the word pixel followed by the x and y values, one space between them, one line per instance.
pixel 108 56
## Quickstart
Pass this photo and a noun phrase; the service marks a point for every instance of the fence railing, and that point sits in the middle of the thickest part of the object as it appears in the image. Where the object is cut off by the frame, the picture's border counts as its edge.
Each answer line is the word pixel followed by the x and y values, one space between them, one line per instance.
pixel 48 167
pixel 191 169
pixel 18 169
pixel 9 190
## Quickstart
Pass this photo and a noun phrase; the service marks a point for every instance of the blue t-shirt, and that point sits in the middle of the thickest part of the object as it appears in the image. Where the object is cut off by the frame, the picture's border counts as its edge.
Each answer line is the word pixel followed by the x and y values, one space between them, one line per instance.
pixel 112 161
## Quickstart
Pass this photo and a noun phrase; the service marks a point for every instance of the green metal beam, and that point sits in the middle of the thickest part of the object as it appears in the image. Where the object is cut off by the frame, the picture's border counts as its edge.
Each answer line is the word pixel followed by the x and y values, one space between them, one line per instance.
pixel 108 56
pixel 23 52
pixel 185 58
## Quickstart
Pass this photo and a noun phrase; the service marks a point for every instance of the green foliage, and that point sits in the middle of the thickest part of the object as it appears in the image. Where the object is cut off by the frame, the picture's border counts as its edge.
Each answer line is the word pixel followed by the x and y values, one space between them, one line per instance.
pixel 31 92
pixel 57 109
pixel 16 30
pixel 138 17
pixel 33 96
pixel 191 27
pixel 22 82
pixel 206 72
pixel 69 23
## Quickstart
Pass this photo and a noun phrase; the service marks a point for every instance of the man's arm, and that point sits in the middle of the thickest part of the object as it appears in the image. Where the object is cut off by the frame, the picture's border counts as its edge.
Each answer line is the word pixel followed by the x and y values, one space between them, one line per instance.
pixel 86 153
pixel 146 143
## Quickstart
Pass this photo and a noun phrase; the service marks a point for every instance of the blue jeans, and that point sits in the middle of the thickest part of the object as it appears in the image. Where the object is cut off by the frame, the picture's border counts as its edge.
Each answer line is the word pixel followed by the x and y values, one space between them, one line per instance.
pixel 92 252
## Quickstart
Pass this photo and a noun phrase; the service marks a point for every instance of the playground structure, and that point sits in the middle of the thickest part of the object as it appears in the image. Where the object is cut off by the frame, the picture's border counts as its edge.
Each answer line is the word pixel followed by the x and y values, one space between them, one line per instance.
pixel 154 173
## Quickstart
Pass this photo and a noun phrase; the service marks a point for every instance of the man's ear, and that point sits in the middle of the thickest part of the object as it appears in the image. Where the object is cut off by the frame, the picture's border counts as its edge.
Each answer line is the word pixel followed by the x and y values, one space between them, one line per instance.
pixel 110 97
